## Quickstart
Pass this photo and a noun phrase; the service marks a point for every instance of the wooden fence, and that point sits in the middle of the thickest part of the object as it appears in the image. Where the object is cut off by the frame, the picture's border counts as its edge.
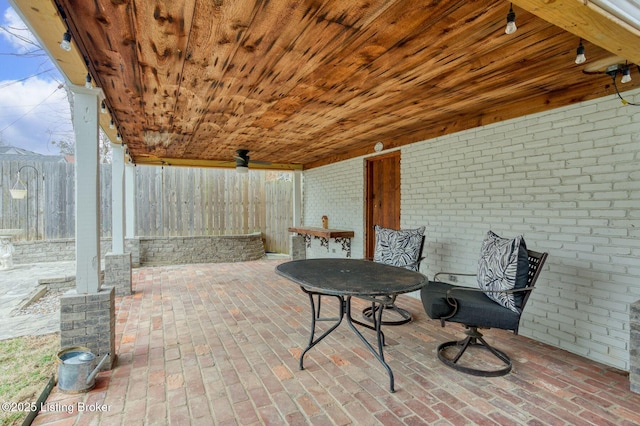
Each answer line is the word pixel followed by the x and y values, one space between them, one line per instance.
pixel 170 201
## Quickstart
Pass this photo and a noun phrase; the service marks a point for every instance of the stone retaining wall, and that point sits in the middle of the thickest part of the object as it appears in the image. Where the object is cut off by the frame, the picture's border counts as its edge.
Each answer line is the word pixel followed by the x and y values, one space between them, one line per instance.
pixel 176 250
pixel 152 250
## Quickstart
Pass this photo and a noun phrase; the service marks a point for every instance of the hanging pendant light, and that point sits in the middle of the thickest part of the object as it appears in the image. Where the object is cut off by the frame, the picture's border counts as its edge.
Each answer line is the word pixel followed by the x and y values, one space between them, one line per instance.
pixel 65 44
pixel 511 21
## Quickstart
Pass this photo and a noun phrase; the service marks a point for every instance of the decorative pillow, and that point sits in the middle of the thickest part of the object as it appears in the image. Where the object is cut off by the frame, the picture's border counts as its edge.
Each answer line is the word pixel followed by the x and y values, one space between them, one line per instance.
pixel 398 248
pixel 503 265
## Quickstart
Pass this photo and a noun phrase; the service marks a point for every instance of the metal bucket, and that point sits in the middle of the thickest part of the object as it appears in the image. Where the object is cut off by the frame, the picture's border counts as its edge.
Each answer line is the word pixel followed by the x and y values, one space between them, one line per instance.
pixel 76 371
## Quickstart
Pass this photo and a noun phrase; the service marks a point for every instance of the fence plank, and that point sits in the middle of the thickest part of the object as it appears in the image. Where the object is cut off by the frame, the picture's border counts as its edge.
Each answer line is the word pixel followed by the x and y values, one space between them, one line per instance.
pixel 169 201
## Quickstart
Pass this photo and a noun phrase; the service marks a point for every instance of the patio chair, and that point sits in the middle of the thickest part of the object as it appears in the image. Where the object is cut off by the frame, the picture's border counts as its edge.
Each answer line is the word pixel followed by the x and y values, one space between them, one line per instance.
pixel 402 248
pixel 491 306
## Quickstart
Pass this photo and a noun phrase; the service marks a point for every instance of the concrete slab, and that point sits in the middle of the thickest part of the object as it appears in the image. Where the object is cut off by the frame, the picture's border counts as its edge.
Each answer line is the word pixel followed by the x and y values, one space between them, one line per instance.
pixel 17 286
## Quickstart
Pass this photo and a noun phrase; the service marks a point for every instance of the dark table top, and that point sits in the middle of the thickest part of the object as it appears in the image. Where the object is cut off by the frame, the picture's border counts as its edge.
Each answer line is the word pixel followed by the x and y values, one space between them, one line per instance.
pixel 351 277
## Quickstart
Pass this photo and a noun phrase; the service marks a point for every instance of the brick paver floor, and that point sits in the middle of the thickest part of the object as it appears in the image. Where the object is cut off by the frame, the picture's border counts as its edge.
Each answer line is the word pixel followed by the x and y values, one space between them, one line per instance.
pixel 219 344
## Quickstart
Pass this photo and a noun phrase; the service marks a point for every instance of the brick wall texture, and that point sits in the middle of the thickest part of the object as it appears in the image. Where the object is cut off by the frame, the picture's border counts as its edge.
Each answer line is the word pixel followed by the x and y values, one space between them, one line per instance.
pixel 153 250
pixel 89 320
pixel 567 179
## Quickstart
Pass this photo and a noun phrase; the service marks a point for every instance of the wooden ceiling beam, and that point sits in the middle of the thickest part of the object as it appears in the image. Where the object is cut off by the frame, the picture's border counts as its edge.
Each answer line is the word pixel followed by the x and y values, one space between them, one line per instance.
pixel 221 164
pixel 590 22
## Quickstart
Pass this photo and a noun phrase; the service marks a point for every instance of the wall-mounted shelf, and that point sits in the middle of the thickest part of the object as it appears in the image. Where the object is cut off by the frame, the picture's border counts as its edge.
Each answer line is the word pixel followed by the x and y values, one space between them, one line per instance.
pixel 322 232
pixel 342 237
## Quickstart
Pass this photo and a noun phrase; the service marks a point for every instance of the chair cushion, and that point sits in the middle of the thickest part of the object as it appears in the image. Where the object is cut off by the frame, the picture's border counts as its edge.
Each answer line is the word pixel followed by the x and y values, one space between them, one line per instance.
pixel 503 265
pixel 474 307
pixel 398 247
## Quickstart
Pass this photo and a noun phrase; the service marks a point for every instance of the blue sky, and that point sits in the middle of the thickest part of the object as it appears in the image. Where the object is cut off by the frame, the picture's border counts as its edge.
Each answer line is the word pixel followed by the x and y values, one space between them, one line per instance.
pixel 34 110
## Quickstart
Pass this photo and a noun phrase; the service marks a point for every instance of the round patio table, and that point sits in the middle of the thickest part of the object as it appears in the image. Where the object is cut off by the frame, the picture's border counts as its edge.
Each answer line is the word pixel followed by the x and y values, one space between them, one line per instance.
pixel 346 278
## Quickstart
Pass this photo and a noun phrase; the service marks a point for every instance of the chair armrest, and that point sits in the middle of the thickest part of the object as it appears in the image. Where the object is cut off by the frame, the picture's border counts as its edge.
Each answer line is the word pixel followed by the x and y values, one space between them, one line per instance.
pixel 453 273
pixel 451 300
pixel 513 290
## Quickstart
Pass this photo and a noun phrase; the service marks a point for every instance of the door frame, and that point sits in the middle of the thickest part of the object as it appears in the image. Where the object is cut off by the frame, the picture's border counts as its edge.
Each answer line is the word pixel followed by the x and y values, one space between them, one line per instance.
pixel 369 235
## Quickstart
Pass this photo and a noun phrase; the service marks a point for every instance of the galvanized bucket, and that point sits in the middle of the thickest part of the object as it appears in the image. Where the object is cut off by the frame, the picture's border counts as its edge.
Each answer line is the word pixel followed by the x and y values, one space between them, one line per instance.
pixel 77 370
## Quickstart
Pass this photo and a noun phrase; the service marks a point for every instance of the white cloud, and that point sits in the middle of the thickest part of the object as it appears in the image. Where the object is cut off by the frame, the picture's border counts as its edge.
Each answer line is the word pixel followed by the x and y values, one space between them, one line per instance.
pixel 23 41
pixel 33 113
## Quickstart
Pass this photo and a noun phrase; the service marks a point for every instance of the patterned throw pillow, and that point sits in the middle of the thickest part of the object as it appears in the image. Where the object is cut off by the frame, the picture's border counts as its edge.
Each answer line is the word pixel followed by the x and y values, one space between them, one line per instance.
pixel 398 248
pixel 503 265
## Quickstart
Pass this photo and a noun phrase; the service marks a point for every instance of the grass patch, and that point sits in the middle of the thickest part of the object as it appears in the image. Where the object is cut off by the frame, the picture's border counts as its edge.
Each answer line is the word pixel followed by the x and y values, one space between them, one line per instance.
pixel 26 365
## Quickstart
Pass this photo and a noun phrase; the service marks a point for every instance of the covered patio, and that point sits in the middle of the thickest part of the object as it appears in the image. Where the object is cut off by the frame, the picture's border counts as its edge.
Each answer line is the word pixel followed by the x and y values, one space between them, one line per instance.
pixel 219 344
pixel 490 130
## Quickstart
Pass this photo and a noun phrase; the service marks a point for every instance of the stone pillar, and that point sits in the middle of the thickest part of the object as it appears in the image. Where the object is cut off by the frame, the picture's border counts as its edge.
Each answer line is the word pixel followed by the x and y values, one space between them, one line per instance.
pixel 634 347
pixel 298 247
pixel 89 320
pixel 117 273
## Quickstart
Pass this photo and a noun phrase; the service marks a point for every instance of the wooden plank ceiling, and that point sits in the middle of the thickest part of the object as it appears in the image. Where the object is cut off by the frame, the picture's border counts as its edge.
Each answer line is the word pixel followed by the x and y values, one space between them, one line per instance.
pixel 307 83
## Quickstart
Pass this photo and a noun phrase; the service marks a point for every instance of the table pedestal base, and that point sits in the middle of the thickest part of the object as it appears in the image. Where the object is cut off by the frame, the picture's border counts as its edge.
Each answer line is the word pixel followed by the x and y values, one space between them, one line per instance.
pixel 345 312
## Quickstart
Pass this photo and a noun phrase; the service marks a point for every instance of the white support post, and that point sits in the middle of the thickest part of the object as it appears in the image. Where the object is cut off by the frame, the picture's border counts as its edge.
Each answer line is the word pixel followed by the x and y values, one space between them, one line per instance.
pixel 297 198
pixel 297 247
pixel 117 199
pixel 87 176
pixel 130 200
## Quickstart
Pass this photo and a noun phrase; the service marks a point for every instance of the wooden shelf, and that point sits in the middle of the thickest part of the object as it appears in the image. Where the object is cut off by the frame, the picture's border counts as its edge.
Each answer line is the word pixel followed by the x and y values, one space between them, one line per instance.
pixel 322 232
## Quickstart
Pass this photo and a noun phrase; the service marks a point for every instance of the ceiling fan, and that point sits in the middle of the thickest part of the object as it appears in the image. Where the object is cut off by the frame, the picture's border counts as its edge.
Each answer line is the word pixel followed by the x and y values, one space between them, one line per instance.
pixel 242 161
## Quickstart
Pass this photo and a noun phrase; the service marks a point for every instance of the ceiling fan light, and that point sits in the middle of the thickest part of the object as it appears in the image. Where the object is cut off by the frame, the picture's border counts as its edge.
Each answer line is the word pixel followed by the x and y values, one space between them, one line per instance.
pixel 242 169
pixel 580 57
pixel 511 21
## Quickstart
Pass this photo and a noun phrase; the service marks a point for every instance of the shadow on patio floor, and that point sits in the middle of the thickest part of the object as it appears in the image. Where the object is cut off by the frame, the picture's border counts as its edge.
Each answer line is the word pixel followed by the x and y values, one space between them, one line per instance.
pixel 219 344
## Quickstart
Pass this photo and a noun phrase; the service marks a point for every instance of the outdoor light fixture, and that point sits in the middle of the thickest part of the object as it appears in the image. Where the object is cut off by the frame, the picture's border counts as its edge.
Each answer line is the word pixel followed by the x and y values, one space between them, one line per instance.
pixel 626 74
pixel 511 21
pixel 103 108
pixel 613 71
pixel 112 124
pixel 87 81
pixel 65 44
pixel 580 58
pixel 118 137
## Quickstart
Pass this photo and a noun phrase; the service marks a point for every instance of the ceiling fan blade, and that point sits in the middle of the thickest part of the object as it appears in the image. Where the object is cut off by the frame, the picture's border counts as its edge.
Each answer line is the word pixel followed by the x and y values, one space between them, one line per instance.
pixel 264 163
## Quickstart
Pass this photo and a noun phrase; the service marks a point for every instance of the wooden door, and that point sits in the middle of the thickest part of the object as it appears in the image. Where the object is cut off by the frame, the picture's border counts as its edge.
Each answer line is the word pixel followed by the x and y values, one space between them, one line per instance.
pixel 382 196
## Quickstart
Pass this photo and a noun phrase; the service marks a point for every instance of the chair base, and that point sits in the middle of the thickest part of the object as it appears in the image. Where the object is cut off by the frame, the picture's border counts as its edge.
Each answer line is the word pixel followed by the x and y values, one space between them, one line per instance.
pixel 474 338
pixel 403 314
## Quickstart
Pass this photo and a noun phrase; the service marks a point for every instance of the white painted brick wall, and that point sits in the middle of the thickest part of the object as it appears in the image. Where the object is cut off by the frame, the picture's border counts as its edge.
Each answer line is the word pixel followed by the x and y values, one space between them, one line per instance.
pixel 336 191
pixel 567 179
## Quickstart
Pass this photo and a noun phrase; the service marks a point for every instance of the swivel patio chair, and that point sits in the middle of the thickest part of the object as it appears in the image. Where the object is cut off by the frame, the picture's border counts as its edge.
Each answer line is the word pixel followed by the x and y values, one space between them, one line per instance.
pixel 402 248
pixel 491 306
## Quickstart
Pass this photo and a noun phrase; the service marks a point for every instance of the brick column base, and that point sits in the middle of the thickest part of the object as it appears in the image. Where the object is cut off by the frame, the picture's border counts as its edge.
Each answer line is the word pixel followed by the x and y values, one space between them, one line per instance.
pixel 117 273
pixel 634 347
pixel 90 320
pixel 298 247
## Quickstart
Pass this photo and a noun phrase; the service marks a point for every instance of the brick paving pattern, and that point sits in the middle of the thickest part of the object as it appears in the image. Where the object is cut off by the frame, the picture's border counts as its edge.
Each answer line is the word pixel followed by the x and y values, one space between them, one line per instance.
pixel 219 344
